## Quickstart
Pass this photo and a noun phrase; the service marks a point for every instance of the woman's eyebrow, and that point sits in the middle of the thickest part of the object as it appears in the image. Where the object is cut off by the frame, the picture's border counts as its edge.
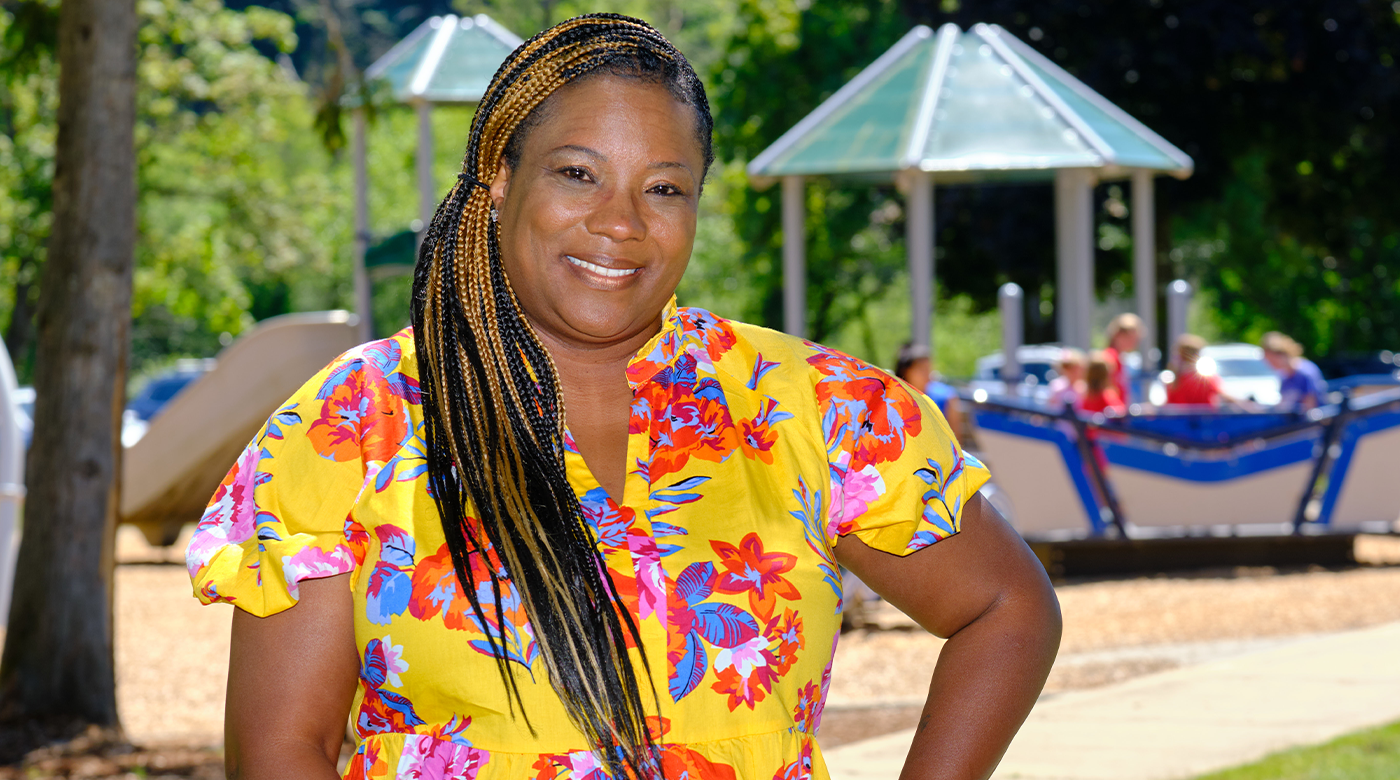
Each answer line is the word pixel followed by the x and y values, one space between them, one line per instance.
pixel 582 150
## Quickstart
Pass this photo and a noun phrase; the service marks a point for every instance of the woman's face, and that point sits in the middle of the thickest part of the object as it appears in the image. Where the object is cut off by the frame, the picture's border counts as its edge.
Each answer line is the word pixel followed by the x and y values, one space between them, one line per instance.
pixel 597 219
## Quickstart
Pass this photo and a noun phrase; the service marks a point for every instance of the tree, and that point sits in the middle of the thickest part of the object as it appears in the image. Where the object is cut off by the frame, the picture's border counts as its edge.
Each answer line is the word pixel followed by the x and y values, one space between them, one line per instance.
pixel 57 670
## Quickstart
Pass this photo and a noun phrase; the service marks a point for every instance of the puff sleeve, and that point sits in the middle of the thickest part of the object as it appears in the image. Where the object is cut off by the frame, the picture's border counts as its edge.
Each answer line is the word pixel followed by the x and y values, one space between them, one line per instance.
pixel 280 516
pixel 899 480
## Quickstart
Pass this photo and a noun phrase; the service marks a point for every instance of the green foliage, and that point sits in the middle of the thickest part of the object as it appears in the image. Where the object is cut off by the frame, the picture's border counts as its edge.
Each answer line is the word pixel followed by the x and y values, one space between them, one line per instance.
pixel 1373 754
pixel 782 61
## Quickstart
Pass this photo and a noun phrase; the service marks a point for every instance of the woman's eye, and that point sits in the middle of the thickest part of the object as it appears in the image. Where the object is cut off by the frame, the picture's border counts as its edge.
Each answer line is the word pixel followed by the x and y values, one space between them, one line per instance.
pixel 575 173
pixel 667 189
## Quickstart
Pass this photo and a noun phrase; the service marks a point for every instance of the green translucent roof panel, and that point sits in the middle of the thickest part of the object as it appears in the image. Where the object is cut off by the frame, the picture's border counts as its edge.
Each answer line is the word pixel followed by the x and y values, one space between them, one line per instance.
pixel 446 60
pixel 967 105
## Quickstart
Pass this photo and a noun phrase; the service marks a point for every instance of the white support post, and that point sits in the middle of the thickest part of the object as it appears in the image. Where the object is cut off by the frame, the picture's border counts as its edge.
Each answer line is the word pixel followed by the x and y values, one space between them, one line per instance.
pixel 1145 262
pixel 918 241
pixel 11 482
pixel 794 256
pixel 1074 256
pixel 427 193
pixel 363 300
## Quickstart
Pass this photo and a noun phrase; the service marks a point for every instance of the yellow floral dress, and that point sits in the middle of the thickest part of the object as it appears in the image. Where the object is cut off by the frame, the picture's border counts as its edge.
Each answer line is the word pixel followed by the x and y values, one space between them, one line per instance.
pixel 749 452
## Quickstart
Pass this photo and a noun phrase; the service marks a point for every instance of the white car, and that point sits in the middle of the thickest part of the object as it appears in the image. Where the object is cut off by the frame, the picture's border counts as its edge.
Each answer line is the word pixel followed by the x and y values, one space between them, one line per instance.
pixel 1243 371
pixel 1038 362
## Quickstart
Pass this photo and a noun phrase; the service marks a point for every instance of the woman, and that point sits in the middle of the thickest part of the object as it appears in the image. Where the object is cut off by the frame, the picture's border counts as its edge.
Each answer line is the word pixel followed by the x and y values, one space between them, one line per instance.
pixel 564 529
pixel 914 366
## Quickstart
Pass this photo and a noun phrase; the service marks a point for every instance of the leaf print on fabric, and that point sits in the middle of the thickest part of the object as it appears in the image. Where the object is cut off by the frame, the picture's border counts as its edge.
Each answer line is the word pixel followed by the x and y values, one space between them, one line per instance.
pixel 391 581
pixel 865 411
pixel 751 570
pixel 688 668
pixel 383 711
pixel 817 536
pixel 610 524
pixel 287 415
pixel 940 516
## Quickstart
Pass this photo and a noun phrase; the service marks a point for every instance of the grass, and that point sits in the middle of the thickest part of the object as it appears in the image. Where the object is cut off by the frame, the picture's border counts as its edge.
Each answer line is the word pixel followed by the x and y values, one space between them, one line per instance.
pixel 1373 754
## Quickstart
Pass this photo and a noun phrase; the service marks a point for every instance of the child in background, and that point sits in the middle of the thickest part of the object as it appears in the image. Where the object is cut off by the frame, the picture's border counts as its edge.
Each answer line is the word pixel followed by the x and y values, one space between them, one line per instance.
pixel 1067 388
pixel 914 365
pixel 1124 333
pixel 1190 386
pixel 1100 393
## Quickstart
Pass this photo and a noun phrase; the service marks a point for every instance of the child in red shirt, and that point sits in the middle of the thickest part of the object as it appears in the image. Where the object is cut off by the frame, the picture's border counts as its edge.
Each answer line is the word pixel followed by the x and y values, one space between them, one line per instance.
pixel 1190 386
pixel 1100 394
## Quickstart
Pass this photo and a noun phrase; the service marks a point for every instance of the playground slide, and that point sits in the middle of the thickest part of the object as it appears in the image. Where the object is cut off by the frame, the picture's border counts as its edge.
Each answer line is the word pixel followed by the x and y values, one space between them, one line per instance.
pixel 170 473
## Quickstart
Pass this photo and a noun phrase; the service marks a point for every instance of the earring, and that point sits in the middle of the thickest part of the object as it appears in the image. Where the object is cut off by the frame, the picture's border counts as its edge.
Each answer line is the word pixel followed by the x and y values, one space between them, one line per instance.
pixel 494 214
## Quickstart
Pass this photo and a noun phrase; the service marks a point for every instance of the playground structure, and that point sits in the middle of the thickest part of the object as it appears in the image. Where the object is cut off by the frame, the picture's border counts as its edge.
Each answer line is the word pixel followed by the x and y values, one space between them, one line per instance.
pixel 170 473
pixel 1330 470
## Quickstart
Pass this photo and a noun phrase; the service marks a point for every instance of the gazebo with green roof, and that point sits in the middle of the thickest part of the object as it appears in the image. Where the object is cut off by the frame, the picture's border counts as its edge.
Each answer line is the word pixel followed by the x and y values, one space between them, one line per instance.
pixel 958 107
pixel 447 59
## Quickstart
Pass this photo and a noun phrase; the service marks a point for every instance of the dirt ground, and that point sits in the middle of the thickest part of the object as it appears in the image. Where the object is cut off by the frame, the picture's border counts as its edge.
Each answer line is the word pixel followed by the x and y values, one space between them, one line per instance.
pixel 172 653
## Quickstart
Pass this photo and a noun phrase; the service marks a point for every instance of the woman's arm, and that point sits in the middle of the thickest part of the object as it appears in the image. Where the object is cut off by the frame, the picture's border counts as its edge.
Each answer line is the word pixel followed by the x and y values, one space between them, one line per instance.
pixel 987 594
pixel 291 677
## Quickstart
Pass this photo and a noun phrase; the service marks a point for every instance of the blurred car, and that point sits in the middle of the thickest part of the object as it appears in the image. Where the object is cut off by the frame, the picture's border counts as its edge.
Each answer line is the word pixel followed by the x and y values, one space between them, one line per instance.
pixel 160 390
pixel 1348 364
pixel 141 409
pixel 24 403
pixel 1243 371
pixel 1038 363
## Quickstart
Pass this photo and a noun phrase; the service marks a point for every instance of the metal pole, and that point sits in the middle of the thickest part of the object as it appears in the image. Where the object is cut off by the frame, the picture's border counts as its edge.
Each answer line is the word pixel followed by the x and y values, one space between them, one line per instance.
pixel 1011 301
pixel 794 256
pixel 1178 302
pixel 918 225
pixel 363 298
pixel 1074 236
pixel 1145 263
pixel 11 481
pixel 427 193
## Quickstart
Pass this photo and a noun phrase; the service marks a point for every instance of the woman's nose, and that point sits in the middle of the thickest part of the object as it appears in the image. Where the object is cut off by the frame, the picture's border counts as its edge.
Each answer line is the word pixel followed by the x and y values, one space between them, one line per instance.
pixel 619 218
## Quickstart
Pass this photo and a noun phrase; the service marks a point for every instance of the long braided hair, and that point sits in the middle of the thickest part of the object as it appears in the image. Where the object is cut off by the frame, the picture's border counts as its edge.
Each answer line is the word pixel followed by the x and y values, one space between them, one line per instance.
pixel 494 410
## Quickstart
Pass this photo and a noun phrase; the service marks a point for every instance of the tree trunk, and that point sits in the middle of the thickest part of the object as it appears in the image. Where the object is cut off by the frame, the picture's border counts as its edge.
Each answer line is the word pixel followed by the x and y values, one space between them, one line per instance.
pixel 57 670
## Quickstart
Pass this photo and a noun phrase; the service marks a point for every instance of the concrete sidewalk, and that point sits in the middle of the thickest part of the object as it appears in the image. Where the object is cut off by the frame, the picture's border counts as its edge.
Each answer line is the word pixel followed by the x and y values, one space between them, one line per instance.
pixel 1188 721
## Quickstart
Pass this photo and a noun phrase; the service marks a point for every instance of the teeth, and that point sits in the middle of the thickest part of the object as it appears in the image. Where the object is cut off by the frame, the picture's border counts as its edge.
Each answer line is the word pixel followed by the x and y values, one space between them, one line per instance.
pixel 600 270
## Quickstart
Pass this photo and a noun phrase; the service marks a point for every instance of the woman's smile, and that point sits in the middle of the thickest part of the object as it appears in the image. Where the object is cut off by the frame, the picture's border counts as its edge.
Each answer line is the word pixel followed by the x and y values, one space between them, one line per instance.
pixel 613 276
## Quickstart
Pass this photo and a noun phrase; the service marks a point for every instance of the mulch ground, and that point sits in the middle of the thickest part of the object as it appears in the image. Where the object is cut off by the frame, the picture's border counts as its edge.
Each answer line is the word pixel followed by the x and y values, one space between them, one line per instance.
pixel 172 654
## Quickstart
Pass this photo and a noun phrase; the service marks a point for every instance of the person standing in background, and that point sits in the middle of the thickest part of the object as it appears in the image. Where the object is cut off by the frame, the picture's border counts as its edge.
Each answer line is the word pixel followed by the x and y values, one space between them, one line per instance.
pixel 1191 387
pixel 1301 386
pixel 1067 388
pixel 1124 333
pixel 1100 393
pixel 914 366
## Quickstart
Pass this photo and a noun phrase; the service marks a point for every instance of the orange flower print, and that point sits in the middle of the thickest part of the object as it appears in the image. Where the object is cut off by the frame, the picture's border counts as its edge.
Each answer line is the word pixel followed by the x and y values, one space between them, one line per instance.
pixel 865 411
pixel 363 406
pixel 755 572
pixel 756 436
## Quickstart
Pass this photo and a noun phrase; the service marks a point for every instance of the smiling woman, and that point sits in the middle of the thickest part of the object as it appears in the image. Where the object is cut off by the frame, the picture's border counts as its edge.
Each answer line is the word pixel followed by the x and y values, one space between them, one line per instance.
pixel 563 528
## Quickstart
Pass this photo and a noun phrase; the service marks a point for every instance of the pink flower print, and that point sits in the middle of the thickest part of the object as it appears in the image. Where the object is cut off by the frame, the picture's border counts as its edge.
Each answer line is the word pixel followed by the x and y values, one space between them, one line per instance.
pixel 427 758
pixel 388 658
pixel 651 577
pixel 310 563
pixel 852 493
pixel 231 517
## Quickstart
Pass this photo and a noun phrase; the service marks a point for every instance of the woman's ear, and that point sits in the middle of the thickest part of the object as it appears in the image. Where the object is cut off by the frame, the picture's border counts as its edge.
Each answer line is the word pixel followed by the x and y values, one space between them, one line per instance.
pixel 501 185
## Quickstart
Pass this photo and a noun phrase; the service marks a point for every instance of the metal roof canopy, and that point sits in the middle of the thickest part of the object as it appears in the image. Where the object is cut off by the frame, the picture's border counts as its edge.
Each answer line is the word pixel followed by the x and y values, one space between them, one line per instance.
pixel 974 106
pixel 447 59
